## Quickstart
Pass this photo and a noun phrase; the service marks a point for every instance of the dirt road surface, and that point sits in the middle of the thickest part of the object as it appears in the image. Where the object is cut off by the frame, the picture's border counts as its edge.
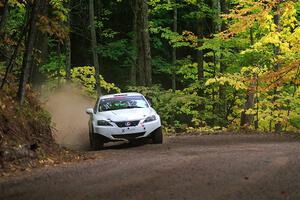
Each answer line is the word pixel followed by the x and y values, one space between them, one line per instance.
pixel 229 167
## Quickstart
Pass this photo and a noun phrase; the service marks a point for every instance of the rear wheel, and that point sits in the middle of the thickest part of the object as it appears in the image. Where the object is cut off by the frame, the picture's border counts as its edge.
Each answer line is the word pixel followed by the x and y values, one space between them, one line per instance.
pixel 157 136
pixel 96 141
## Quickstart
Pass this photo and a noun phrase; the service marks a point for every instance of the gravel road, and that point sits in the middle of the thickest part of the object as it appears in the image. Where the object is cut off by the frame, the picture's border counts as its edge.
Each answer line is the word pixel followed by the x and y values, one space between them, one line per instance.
pixel 229 167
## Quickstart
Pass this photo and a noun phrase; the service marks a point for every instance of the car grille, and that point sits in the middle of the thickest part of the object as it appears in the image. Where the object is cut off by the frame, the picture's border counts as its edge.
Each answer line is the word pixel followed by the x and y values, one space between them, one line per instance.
pixel 129 136
pixel 127 123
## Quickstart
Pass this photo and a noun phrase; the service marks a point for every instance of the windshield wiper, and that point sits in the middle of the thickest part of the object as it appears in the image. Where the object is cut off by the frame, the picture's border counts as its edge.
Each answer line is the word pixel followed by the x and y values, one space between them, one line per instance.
pixel 134 107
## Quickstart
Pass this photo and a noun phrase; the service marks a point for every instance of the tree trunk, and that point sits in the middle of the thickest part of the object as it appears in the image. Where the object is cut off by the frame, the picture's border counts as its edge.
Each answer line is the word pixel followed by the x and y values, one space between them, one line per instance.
pixel 41 49
pixel 217 8
pixel 247 119
pixel 146 39
pixel 28 53
pixel 224 6
pixel 139 39
pixel 13 57
pixel 40 55
pixel 174 56
pixel 200 65
pixel 216 5
pixel 94 46
pixel 68 57
pixel 3 15
pixel 277 53
pixel 199 58
pixel 133 69
pixel 68 47
pixel 143 41
pixel 3 20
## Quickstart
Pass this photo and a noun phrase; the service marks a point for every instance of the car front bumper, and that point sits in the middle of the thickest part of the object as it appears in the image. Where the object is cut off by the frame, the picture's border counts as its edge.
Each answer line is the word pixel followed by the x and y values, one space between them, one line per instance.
pixel 125 133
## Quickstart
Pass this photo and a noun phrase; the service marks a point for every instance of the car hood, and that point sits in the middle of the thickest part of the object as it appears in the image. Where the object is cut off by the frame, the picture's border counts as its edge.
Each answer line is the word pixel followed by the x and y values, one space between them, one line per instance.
pixel 125 114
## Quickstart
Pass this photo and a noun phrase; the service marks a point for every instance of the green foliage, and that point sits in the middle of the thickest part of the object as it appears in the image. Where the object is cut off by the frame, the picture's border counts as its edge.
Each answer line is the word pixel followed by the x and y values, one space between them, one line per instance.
pixel 186 39
pixel 54 24
pixel 159 5
pixel 177 109
pixel 200 10
pixel 188 70
pixel 298 11
pixel 239 61
pixel 233 80
pixel 86 76
pixel 54 65
pixel 114 50
pixel 161 65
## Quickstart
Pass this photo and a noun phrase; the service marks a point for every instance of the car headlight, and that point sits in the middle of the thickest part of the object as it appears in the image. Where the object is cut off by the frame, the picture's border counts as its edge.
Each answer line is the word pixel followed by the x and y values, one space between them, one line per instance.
pixel 150 119
pixel 103 123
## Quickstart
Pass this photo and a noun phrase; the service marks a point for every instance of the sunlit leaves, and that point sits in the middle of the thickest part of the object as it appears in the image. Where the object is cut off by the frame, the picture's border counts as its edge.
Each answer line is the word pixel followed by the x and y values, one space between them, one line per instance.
pixel 54 24
pixel 233 80
pixel 19 4
pixel 186 39
pixel 86 76
pixel 161 5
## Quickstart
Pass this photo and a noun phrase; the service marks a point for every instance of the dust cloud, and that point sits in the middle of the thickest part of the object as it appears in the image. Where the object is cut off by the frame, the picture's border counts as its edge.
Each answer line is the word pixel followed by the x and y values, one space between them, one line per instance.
pixel 67 106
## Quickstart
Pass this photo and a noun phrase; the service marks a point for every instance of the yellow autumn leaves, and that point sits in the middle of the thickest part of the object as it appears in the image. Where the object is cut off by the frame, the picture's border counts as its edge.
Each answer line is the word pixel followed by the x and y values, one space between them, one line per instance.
pixel 85 75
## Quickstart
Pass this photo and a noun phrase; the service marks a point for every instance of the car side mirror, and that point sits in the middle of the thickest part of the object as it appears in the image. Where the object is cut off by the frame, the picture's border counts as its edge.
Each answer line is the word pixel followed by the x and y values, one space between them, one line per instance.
pixel 89 111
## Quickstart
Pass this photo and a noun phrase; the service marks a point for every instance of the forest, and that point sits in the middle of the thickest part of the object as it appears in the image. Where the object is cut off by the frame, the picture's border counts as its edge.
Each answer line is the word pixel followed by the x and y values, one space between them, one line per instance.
pixel 206 65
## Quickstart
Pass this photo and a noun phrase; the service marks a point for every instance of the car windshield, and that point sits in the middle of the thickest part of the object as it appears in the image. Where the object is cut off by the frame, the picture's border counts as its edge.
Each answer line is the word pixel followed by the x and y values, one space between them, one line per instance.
pixel 122 102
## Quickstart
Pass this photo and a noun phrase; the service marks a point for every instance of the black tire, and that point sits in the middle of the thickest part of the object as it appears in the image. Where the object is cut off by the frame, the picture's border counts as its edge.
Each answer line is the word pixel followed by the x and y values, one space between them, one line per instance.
pixel 96 141
pixel 157 136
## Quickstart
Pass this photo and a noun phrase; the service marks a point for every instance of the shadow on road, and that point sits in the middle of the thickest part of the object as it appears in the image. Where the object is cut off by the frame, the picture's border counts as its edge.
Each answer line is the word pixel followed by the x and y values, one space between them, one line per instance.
pixel 205 141
pixel 233 139
pixel 125 145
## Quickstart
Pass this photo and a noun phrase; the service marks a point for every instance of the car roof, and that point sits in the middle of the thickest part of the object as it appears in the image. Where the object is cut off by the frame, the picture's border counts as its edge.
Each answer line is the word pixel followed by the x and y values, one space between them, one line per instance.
pixel 120 94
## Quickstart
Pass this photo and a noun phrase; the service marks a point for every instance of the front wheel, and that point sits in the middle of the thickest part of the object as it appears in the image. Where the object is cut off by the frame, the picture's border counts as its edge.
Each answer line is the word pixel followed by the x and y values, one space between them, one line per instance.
pixel 96 141
pixel 157 136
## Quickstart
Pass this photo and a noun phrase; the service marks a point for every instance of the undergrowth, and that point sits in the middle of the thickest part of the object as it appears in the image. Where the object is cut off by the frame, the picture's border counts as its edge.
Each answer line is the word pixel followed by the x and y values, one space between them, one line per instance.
pixel 26 139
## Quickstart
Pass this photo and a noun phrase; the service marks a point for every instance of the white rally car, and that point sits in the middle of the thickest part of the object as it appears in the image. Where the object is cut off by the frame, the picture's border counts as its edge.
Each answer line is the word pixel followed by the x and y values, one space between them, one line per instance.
pixel 125 116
